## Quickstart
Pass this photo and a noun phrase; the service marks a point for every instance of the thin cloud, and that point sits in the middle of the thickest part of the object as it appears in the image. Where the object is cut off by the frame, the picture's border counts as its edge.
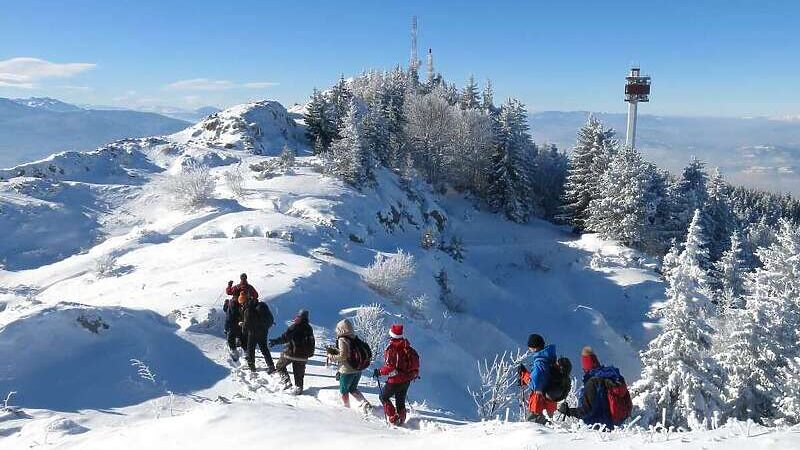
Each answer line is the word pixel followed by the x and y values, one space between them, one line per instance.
pixel 24 72
pixel 207 84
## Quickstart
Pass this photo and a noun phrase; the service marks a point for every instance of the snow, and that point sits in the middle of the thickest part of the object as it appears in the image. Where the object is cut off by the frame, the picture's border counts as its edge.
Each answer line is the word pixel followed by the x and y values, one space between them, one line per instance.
pixel 305 240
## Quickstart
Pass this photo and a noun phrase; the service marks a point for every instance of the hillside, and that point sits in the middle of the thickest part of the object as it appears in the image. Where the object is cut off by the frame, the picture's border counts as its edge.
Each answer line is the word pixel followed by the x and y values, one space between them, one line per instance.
pixel 36 127
pixel 114 270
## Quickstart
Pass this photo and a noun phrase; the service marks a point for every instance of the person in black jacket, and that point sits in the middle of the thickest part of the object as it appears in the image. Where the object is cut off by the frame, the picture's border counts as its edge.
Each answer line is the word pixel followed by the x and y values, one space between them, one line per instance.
pixel 256 321
pixel 300 345
pixel 233 331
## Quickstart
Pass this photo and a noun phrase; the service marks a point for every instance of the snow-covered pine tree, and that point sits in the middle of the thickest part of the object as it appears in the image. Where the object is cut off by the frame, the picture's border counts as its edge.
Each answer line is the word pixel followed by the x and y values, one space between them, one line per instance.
pixel 620 210
pixel 320 128
pixel 679 375
pixel 340 97
pixel 719 218
pixel 686 194
pixel 470 164
pixel 470 99
pixel 729 273
pixel 509 191
pixel 375 132
pixel 349 158
pixel 487 98
pixel 547 180
pixel 590 157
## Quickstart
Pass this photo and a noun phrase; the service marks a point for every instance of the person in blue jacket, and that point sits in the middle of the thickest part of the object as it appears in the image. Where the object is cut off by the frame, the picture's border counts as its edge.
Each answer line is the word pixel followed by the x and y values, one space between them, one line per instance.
pixel 543 357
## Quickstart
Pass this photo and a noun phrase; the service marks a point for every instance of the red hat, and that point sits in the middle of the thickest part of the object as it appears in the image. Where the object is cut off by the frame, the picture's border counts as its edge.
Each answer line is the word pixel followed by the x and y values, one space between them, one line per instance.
pixel 396 331
pixel 589 360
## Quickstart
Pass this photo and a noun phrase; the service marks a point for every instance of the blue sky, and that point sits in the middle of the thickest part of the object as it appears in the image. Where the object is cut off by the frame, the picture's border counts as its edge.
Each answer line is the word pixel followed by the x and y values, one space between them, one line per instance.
pixel 727 58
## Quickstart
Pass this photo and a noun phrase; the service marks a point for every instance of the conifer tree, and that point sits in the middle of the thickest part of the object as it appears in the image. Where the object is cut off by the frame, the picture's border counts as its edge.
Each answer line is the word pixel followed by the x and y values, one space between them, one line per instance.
pixel 487 98
pixel 510 190
pixel 349 158
pixel 319 126
pixel 470 98
pixel 340 97
pixel 679 375
pixel 590 157
pixel 729 276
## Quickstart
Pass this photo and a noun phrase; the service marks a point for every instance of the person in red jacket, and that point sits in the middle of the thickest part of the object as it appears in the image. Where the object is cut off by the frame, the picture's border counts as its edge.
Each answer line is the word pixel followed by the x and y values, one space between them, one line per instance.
pixel 243 286
pixel 401 365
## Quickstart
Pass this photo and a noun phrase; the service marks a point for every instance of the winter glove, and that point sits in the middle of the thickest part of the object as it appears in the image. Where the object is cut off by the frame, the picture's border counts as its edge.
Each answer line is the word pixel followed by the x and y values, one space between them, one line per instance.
pixel 563 408
pixel 376 373
pixel 338 376
pixel 332 350
pixel 230 283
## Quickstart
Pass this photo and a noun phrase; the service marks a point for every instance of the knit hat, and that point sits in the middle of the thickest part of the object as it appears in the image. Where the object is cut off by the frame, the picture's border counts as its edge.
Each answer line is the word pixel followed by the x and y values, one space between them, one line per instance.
pixel 396 331
pixel 535 341
pixel 344 328
pixel 589 360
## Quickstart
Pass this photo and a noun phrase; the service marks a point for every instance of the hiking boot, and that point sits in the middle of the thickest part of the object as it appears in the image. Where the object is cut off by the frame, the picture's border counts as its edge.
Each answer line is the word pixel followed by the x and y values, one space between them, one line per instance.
pixel 297 390
pixel 234 355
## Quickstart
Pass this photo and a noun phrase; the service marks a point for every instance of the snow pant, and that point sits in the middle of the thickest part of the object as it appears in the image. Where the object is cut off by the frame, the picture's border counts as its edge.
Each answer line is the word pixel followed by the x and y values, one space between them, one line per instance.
pixel 537 405
pixel 233 333
pixel 259 339
pixel 396 416
pixel 298 369
pixel 348 385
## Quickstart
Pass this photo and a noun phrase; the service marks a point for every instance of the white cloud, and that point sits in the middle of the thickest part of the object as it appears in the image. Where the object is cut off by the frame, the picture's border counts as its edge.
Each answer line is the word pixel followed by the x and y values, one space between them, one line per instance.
pixel 25 72
pixel 260 84
pixel 207 84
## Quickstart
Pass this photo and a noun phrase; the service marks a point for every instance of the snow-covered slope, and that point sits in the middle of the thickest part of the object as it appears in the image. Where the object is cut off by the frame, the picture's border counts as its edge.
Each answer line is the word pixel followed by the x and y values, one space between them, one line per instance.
pixel 104 274
pixel 262 128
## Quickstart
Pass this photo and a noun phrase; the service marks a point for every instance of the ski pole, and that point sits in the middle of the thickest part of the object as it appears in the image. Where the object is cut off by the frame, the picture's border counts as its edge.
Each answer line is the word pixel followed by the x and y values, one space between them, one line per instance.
pixel 380 394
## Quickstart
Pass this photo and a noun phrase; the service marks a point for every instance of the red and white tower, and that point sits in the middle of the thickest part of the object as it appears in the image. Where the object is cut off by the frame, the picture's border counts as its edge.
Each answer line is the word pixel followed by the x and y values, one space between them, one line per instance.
pixel 637 89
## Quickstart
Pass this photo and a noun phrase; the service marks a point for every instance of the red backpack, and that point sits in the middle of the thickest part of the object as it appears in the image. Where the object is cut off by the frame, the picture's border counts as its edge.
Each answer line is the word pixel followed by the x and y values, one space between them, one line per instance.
pixel 408 361
pixel 619 401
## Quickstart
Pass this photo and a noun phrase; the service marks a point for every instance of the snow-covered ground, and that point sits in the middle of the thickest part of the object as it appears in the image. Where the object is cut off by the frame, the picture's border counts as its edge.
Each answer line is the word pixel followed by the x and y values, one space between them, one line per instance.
pixel 106 275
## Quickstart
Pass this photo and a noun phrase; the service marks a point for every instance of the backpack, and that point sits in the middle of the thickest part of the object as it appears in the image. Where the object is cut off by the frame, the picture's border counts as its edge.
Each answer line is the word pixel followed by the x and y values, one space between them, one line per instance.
pixel 304 343
pixel 360 356
pixel 560 383
pixel 619 398
pixel 408 361
pixel 265 315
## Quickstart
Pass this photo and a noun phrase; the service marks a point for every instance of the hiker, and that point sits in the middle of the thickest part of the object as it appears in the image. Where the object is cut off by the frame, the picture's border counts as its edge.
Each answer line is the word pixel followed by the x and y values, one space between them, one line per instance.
pixel 401 365
pixel 342 354
pixel 299 340
pixel 233 331
pixel 537 378
pixel 605 400
pixel 234 291
pixel 256 322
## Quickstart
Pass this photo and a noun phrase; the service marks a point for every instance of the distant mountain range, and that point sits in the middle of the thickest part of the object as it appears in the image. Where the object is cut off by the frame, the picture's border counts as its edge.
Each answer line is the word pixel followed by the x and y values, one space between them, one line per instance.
pixel 33 128
pixel 760 152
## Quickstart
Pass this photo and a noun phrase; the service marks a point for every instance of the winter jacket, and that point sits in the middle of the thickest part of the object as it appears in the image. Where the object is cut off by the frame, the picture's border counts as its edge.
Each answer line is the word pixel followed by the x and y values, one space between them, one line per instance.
pixel 391 357
pixel 541 363
pixel 594 409
pixel 344 334
pixel 299 339
pixel 256 317
pixel 236 289
pixel 233 315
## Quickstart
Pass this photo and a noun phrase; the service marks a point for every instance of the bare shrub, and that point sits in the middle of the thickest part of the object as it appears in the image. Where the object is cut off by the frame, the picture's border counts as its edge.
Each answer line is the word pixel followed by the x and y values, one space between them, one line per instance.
pixel 105 265
pixel 370 326
pixel 497 381
pixel 234 180
pixel 388 275
pixel 192 187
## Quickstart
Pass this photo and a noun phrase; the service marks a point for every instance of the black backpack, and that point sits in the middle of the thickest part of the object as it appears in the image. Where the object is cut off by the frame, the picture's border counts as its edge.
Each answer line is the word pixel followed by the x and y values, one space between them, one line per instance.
pixel 360 356
pixel 303 341
pixel 265 315
pixel 560 383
